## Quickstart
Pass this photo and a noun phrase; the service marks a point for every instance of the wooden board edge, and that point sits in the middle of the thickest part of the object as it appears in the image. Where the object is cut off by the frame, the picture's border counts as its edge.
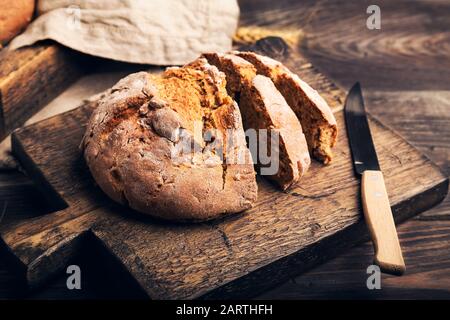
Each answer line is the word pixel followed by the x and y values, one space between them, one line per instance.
pixel 422 154
pixel 114 268
pixel 72 70
pixel 54 199
pixel 54 260
pixel 38 266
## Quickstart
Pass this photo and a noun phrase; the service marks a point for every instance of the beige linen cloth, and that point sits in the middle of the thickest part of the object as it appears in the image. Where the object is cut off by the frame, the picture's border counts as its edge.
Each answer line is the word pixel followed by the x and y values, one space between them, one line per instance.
pixel 160 32
pixel 157 32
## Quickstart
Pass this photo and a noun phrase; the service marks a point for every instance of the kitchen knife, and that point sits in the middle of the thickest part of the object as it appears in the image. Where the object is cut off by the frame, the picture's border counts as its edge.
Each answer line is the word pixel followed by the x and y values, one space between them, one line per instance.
pixel 376 207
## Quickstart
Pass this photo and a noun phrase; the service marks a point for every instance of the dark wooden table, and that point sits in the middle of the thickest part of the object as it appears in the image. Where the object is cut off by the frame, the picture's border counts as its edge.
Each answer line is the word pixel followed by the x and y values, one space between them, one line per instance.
pixel 404 69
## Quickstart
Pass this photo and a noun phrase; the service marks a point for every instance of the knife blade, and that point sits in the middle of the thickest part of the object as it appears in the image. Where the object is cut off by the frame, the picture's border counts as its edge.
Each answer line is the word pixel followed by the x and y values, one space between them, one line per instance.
pixel 360 138
pixel 375 200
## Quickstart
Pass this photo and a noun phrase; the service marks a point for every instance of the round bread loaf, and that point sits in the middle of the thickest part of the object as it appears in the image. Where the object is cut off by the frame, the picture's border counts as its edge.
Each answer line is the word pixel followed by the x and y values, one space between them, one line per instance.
pixel 172 146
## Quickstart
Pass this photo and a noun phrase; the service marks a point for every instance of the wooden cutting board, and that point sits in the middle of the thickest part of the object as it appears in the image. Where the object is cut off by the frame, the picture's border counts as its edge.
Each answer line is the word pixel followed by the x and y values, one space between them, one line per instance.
pixel 32 76
pixel 238 256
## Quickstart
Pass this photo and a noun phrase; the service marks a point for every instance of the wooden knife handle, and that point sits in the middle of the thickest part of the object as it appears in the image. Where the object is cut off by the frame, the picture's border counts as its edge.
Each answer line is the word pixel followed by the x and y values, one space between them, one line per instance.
pixel 379 219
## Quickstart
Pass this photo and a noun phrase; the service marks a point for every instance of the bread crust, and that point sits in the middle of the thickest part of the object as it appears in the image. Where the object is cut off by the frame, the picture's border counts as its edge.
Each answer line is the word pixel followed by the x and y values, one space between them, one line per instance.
pixel 132 136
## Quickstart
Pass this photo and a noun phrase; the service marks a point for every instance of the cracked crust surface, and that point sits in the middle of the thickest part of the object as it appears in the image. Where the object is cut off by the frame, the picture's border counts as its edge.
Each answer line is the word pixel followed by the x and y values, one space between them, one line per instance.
pixel 134 144
pixel 316 117
pixel 263 107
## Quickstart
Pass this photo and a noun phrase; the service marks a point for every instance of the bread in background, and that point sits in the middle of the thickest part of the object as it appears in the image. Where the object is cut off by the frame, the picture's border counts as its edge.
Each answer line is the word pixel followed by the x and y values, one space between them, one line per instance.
pixel 14 18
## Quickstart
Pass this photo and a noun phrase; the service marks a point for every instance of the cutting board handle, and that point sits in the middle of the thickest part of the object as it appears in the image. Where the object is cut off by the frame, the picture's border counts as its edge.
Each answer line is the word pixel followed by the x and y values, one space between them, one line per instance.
pixel 378 215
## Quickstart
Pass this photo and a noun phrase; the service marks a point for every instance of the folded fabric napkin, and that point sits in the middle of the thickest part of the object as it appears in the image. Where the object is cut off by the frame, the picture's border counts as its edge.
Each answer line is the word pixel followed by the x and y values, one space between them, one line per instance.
pixel 159 32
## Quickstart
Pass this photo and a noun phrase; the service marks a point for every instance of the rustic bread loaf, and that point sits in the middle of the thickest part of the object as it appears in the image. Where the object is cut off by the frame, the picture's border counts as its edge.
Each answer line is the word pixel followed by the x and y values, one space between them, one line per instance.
pixel 138 145
pixel 263 107
pixel 14 17
pixel 316 117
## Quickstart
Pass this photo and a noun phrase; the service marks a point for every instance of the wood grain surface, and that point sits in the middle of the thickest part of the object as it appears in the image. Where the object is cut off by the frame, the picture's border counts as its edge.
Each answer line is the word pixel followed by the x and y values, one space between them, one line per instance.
pixel 404 74
pixel 408 52
pixel 32 76
pixel 283 235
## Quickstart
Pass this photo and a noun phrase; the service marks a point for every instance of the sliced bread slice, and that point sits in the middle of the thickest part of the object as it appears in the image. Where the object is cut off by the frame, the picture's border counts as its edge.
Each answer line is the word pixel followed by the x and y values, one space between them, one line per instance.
pixel 263 107
pixel 316 117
